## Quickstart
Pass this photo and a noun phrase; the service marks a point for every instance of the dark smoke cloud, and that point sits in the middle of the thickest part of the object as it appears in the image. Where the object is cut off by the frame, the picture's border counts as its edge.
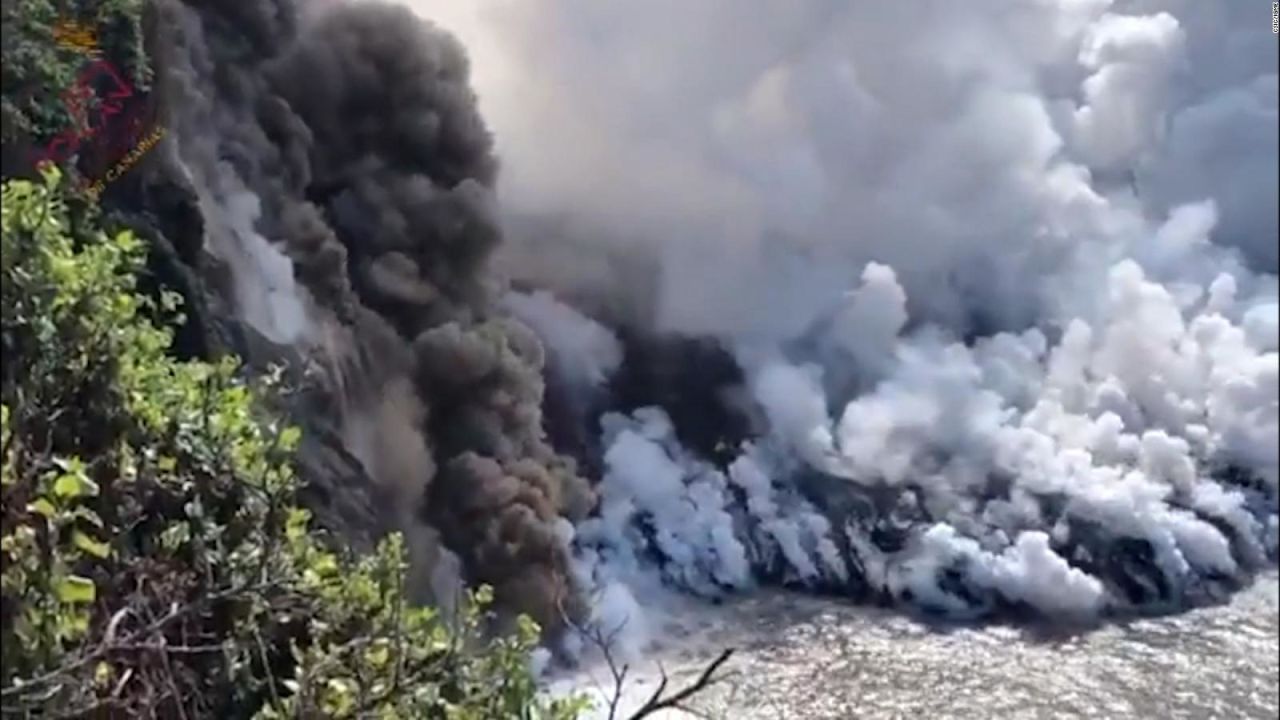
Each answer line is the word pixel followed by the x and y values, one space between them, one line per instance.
pixel 696 381
pixel 984 370
pixel 1001 277
pixel 346 138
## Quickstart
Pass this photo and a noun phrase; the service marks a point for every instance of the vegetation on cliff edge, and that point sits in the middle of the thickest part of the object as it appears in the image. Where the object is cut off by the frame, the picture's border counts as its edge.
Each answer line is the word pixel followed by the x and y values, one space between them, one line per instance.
pixel 154 560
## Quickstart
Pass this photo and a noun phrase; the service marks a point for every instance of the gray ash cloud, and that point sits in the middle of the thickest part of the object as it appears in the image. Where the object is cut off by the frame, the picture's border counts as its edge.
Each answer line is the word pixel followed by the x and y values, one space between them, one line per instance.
pixel 863 324
pixel 346 139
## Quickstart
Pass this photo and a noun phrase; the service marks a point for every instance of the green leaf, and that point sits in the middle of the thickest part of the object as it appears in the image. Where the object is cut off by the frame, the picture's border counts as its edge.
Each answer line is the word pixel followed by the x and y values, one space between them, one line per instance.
pixel 175 535
pixel 74 485
pixel 42 506
pixel 378 655
pixel 89 545
pixel 72 625
pixel 325 564
pixel 72 465
pixel 296 524
pixel 289 438
pixel 89 516
pixel 76 589
pixel 67 486
pixel 102 674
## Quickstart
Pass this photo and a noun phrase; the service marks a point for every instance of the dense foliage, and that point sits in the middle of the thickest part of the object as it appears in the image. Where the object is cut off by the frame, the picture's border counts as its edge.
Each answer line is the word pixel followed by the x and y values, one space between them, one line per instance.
pixel 38 69
pixel 154 561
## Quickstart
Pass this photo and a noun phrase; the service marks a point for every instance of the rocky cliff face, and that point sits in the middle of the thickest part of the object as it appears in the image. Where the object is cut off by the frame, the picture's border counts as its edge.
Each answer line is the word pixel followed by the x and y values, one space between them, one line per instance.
pixel 322 200
pixel 159 207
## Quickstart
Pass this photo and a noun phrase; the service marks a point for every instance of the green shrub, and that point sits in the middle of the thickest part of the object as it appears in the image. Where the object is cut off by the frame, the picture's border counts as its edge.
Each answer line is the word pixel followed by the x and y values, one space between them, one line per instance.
pixel 154 561
pixel 36 70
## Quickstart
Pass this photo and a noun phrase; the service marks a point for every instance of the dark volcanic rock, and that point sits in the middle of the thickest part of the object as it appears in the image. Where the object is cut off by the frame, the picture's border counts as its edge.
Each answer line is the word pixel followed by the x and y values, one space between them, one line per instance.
pixel 165 214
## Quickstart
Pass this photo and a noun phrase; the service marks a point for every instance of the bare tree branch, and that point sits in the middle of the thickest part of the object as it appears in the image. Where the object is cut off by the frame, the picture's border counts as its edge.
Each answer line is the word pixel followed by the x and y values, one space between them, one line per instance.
pixel 176 612
pixel 675 700
pixel 605 642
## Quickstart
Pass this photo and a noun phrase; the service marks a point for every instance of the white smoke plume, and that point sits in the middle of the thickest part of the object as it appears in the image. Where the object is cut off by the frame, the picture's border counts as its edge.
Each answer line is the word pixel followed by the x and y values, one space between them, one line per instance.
pixel 987 291
pixel 1005 272
pixel 583 351
pixel 769 151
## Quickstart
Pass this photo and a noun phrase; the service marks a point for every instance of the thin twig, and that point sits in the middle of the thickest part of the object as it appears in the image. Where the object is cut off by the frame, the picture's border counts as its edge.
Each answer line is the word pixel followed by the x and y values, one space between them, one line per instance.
pixel 173 683
pixel 605 641
pixel 705 680
pixel 103 649
pixel 170 649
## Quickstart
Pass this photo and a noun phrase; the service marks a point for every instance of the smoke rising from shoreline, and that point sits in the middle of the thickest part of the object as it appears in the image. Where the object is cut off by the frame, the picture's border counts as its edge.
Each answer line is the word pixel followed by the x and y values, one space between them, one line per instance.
pixel 765 155
pixel 1001 275
pixel 968 307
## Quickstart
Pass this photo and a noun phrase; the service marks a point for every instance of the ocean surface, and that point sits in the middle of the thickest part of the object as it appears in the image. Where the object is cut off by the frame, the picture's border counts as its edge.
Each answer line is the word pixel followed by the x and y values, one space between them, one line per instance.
pixel 799 656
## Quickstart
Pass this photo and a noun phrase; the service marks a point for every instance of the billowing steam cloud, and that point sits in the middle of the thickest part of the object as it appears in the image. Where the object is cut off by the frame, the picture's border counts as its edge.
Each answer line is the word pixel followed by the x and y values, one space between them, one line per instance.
pixel 768 151
pixel 971 306
pixel 1000 277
